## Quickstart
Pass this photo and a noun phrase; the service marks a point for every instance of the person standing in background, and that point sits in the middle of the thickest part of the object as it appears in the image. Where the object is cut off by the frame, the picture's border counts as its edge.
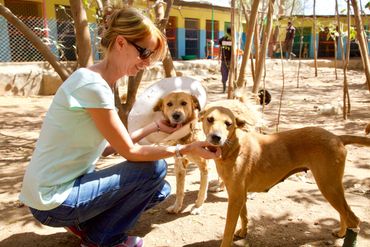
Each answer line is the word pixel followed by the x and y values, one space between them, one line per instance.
pixel 225 56
pixel 289 40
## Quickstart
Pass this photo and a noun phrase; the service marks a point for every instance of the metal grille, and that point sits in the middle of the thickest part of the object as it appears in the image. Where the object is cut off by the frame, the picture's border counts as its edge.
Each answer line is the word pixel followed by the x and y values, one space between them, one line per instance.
pixel 22 50
pixel 58 35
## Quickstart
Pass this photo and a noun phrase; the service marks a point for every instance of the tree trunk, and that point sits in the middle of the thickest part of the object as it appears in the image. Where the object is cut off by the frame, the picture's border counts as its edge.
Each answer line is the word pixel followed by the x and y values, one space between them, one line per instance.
pixel 335 58
pixel 283 86
pixel 248 43
pixel 41 47
pixel 262 54
pixel 299 58
pixel 169 68
pixel 314 37
pixel 256 41
pixel 233 55
pixel 340 33
pixel 361 39
pixel 291 10
pixel 132 88
pixel 345 67
pixel 274 39
pixel 84 53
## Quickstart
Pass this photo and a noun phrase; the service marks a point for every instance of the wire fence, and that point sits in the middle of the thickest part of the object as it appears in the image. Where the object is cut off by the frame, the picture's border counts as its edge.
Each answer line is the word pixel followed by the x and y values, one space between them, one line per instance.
pixel 59 36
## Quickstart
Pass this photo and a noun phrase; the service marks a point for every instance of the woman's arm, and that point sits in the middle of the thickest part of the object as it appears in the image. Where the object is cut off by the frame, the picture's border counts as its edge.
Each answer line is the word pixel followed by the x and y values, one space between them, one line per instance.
pixel 159 125
pixel 139 134
pixel 109 124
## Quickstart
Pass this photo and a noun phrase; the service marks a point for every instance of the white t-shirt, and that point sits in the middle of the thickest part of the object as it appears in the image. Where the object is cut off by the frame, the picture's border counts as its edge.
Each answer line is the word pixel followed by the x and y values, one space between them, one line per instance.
pixel 69 144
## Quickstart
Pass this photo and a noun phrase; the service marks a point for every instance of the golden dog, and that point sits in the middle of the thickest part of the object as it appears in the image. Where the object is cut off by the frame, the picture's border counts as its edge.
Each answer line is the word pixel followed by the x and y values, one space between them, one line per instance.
pixel 253 162
pixel 183 108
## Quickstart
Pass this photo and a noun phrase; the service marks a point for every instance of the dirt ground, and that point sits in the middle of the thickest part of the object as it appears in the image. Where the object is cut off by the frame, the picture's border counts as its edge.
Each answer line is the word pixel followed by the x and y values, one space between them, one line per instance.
pixel 293 213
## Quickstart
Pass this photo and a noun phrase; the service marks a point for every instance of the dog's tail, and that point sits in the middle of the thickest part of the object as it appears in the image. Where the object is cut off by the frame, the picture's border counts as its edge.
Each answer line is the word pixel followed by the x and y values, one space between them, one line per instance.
pixel 348 139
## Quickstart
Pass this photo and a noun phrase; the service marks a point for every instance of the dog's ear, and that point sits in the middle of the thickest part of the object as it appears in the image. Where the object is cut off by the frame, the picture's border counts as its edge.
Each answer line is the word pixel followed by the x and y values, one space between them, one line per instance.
pixel 195 102
pixel 158 106
pixel 240 123
pixel 201 115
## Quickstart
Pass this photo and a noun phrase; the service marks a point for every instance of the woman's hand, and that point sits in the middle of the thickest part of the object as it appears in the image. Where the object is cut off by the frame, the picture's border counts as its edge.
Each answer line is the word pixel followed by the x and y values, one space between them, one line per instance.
pixel 165 126
pixel 203 149
pixel 108 151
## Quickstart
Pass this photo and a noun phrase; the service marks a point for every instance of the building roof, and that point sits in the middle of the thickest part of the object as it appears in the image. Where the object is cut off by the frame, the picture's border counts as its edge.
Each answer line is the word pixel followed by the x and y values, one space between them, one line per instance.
pixel 323 9
pixel 217 4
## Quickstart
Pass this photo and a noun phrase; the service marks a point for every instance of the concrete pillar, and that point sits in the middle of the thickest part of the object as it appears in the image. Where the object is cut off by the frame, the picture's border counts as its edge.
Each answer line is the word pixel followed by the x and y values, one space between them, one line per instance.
pixel 202 44
pixel 339 49
pixel 181 42
pixel 311 55
pixel 5 55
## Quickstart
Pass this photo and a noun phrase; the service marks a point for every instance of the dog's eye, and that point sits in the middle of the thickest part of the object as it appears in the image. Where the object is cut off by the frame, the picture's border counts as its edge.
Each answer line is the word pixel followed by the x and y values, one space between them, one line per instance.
pixel 227 123
pixel 210 120
pixel 169 104
pixel 184 103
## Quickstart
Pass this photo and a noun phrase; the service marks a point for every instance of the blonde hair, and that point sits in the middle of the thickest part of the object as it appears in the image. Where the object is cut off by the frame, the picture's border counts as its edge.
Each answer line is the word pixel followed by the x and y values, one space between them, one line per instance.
pixel 133 26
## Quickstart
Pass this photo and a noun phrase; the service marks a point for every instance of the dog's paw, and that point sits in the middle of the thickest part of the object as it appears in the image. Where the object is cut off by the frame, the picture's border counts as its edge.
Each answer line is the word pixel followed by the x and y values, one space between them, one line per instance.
pixel 339 233
pixel 196 210
pixel 174 209
pixel 241 233
pixel 216 186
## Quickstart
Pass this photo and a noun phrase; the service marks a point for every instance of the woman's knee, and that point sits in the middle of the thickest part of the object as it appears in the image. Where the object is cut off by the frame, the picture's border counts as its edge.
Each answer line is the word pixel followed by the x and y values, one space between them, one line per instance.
pixel 160 169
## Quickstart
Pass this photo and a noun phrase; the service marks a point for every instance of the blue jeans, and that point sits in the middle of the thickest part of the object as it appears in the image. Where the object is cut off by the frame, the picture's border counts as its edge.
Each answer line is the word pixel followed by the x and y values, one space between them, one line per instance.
pixel 105 204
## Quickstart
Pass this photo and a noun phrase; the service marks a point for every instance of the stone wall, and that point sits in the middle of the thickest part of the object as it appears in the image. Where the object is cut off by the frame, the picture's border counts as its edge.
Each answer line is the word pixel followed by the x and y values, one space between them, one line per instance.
pixel 39 78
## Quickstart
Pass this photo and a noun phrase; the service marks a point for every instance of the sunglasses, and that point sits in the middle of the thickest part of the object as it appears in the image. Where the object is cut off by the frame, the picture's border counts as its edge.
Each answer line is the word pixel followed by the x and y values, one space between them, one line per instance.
pixel 144 53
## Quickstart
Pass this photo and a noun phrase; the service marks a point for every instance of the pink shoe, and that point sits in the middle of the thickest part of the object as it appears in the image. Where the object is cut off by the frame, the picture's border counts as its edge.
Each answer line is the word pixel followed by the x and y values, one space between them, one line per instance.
pixel 75 231
pixel 131 241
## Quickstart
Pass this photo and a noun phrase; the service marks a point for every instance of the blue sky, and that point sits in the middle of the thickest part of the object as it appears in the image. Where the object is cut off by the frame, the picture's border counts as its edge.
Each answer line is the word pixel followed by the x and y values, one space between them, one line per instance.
pixel 327 7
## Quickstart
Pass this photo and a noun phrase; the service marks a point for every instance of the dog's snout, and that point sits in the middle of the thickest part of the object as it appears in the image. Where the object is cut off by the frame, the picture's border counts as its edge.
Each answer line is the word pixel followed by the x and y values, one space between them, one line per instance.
pixel 176 115
pixel 215 139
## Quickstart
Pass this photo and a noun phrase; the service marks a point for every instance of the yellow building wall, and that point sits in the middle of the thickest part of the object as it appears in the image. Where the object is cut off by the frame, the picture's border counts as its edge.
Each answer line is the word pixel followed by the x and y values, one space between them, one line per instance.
pixel 321 22
pixel 50 8
pixel 201 14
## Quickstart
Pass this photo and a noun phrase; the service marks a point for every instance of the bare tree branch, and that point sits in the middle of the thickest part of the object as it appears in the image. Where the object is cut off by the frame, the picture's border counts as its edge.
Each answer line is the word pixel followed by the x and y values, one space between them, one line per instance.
pixel 84 53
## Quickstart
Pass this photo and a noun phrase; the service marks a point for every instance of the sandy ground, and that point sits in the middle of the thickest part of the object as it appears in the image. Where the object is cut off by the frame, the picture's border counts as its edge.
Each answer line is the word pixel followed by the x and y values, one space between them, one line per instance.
pixel 293 213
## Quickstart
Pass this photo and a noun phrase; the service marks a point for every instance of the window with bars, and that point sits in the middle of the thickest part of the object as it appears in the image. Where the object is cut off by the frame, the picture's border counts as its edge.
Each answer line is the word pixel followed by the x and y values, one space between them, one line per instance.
pixel 209 30
pixel 192 36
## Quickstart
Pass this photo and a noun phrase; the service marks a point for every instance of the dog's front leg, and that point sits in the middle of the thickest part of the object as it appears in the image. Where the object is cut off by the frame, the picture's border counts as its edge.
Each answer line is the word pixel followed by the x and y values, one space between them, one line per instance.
pixel 242 232
pixel 180 171
pixel 202 194
pixel 234 207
